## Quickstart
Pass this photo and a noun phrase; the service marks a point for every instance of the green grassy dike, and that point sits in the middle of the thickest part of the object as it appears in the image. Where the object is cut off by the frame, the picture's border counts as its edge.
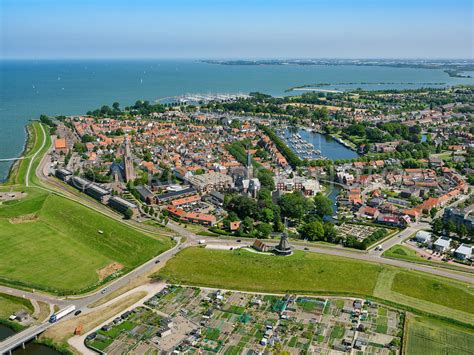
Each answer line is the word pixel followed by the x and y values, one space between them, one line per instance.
pixel 311 273
pixel 53 244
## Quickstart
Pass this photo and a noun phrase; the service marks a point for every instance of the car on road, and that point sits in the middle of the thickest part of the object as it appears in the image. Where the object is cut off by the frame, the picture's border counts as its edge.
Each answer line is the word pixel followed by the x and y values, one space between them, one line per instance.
pixel 157 261
pixel 239 240
pixel 306 248
pixel 76 313
pixel 103 291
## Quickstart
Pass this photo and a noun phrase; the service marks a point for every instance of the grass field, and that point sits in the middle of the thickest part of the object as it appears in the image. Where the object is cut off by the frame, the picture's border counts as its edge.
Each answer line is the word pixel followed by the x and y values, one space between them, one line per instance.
pixel 51 243
pixel 442 292
pixel 48 242
pixel 303 272
pixel 11 304
pixel 307 273
pixel 428 337
pixel 35 140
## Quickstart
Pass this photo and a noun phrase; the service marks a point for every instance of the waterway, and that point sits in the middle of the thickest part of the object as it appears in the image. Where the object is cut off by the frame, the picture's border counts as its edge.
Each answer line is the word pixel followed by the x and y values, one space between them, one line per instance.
pixel 29 88
pixel 31 347
pixel 329 148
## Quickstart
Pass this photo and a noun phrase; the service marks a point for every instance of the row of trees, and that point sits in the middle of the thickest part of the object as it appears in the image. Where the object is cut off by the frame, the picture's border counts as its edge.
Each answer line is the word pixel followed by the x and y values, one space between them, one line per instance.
pixel 289 154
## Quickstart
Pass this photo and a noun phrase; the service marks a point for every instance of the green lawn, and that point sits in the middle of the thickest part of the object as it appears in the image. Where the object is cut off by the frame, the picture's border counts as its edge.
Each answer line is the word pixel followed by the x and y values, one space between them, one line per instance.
pixel 303 272
pixel 428 337
pixel 18 173
pixel 439 291
pixel 306 273
pixel 61 250
pixel 401 252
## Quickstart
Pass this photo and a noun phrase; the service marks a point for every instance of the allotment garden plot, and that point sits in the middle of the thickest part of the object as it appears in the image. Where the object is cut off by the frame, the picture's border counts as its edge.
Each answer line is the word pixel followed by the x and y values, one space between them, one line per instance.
pixel 189 319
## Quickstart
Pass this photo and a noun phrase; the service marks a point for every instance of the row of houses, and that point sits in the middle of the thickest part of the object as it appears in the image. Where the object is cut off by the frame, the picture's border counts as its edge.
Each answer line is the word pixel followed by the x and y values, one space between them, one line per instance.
pixel 97 192
pixel 443 244
pixel 204 219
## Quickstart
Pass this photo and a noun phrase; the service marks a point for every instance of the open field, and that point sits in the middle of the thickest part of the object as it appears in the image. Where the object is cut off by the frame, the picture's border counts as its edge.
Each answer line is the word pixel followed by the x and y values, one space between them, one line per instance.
pixel 48 242
pixel 11 304
pixel 302 272
pixel 439 291
pixel 308 273
pixel 428 337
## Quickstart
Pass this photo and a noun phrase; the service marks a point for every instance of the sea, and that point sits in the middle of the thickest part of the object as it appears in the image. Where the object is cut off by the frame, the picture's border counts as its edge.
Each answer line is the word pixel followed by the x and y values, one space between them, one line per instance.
pixel 29 88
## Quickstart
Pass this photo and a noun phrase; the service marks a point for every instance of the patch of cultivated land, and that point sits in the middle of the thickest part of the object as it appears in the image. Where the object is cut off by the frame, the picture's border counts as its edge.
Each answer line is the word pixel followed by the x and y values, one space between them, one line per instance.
pixel 439 291
pixel 428 337
pixel 61 250
pixel 307 273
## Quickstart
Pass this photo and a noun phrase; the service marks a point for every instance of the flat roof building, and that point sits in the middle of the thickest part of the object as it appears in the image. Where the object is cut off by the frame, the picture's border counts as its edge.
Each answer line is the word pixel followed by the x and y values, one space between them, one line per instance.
pixel 121 205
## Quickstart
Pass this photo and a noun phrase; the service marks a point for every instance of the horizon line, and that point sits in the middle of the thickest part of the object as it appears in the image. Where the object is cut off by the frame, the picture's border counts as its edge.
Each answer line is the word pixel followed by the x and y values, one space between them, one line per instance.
pixel 243 58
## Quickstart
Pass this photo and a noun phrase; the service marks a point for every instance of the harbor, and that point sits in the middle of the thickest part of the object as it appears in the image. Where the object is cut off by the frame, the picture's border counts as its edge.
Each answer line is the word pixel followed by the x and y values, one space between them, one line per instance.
pixel 312 145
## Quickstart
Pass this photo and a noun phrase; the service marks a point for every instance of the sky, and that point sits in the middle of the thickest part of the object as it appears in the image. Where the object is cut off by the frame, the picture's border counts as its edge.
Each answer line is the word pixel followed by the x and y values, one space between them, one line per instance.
pixel 38 29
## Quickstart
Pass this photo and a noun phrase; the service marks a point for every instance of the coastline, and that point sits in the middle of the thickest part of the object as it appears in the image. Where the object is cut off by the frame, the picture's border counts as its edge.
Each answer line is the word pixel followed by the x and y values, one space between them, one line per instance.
pixel 16 164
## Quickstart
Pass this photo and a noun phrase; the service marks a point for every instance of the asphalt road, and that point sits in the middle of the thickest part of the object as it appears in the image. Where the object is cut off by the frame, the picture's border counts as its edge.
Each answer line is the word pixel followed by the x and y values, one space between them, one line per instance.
pixel 82 302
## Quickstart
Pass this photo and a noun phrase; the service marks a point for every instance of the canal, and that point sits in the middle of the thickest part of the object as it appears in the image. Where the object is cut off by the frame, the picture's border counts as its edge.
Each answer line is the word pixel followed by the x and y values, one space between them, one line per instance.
pixel 31 347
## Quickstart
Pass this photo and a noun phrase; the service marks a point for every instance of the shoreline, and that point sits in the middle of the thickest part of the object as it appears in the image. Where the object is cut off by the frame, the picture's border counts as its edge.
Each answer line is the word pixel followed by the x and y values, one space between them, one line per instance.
pixel 15 164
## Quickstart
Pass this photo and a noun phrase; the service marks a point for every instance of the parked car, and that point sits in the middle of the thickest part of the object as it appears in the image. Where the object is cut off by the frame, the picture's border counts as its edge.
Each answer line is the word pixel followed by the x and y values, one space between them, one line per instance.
pixel 76 313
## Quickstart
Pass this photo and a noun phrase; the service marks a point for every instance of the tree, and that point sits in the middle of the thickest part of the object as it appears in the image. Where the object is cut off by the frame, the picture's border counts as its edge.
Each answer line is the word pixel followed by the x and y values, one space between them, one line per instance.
pixel 263 230
pixel 330 233
pixel 323 205
pixel 462 231
pixel 266 179
pixel 267 215
pixel 312 231
pixel 243 206
pixel 294 205
pixel 433 212
pixel 437 225
pixel 247 225
pixel 128 214
pixel 450 227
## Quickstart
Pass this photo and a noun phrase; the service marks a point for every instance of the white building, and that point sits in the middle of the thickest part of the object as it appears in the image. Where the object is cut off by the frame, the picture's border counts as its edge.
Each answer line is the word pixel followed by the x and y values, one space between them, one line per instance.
pixel 442 244
pixel 463 252
pixel 423 237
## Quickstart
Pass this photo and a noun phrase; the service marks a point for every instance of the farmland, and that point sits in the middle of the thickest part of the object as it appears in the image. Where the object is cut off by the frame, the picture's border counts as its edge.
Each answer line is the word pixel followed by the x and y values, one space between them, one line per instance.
pixel 308 273
pixel 432 337
pixel 48 242
pixel 442 292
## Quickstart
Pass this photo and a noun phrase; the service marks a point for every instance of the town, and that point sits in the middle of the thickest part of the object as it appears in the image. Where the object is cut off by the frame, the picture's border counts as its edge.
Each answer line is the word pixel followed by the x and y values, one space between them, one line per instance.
pixel 242 224
pixel 235 167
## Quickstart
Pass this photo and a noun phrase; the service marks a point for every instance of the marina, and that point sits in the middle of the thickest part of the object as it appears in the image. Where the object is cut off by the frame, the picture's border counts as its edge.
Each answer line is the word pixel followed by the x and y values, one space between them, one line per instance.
pixel 312 145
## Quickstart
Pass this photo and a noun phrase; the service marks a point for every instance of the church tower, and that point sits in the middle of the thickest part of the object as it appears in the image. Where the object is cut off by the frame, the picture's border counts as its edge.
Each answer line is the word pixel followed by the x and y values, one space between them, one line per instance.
pixel 129 171
pixel 249 167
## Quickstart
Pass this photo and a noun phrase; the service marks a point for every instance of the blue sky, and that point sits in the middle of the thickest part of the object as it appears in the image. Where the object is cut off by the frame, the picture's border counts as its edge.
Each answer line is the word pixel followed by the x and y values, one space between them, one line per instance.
pixel 236 29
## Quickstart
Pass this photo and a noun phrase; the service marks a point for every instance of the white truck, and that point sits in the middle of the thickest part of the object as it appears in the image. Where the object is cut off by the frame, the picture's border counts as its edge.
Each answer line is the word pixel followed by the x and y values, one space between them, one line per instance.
pixel 57 316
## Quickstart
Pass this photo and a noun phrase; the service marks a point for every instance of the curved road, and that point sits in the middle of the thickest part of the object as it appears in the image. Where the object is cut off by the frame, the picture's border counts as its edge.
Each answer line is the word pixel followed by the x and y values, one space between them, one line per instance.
pixel 82 302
